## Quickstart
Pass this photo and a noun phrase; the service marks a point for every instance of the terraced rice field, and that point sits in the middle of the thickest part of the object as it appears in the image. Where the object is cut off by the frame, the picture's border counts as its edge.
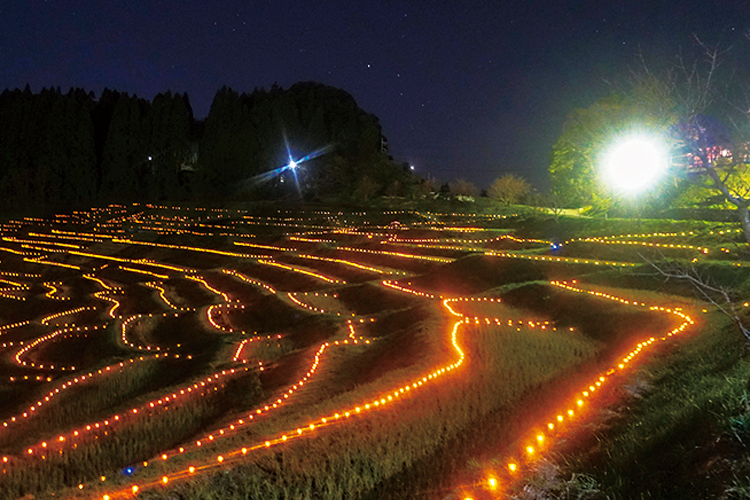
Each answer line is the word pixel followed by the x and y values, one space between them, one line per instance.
pixel 306 353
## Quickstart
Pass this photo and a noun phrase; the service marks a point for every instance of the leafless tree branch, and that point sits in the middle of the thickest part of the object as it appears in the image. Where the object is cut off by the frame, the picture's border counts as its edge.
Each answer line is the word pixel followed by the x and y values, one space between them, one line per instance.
pixel 719 296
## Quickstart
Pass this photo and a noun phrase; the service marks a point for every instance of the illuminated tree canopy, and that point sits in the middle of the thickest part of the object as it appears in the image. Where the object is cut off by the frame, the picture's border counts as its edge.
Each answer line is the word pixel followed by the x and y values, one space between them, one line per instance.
pixel 699 110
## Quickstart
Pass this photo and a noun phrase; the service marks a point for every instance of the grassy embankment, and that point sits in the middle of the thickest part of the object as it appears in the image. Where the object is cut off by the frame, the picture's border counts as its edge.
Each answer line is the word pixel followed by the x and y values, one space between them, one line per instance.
pixel 681 429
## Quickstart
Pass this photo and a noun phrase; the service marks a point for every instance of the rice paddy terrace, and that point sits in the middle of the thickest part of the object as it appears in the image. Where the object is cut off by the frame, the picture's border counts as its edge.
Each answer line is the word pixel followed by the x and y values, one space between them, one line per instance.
pixel 210 353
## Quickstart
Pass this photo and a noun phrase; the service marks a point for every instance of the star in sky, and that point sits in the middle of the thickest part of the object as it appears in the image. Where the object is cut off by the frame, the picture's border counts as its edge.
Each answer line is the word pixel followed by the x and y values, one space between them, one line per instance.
pixel 473 90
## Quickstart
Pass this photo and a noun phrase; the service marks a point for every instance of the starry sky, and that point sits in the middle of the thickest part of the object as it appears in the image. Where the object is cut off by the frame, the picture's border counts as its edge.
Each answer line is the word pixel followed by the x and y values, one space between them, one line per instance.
pixel 472 89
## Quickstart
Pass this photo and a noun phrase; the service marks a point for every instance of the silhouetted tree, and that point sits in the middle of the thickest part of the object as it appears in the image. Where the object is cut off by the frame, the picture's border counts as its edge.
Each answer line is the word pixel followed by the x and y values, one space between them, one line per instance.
pixel 167 126
pixel 227 146
pixel 463 187
pixel 509 189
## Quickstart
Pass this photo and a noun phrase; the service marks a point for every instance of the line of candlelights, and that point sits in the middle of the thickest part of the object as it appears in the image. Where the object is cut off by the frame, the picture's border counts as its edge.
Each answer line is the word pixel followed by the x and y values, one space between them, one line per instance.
pixel 19 275
pixel 247 279
pixel 202 281
pixel 89 239
pixel 13 239
pixel 293 297
pixel 15 284
pixel 264 247
pixel 227 457
pixel 101 282
pixel 430 214
pixel 281 224
pixel 145 272
pixel 105 295
pixel 46 319
pixel 429 242
pixel 16 252
pixel 10 293
pixel 145 410
pixel 400 288
pixel 131 322
pixel 52 263
pixel 127 241
pixel 42 251
pixel 379 403
pixel 534 443
pixel 479 320
pixel 397 254
pixel 255 338
pixel 344 262
pixel 144 262
pixel 308 240
pixel 301 271
pixel 53 289
pixel 77 235
pixel 651 235
pixel 219 309
pixel 18 324
pixel 604 241
pixel 36 378
pixel 568 260
pixel 436 246
pixel 79 379
pixel 46 338
pixel 163 295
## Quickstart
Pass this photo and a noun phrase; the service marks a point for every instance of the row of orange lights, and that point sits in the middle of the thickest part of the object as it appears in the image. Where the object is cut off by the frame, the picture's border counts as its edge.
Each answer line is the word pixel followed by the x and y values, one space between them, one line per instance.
pixel 397 254
pixel 46 338
pixel 541 438
pixel 569 260
pixel 376 404
pixel 66 439
pixel 77 380
pixel 163 295
pixel 301 271
pixel 53 289
pixel 45 320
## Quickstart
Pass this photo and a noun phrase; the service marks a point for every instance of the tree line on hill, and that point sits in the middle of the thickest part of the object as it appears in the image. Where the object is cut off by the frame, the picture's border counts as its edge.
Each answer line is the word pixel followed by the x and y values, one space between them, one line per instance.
pixel 74 149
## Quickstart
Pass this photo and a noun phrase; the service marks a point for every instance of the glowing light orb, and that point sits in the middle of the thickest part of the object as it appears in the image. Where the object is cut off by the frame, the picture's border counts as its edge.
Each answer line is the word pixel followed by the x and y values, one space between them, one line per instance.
pixel 634 164
pixel 292 164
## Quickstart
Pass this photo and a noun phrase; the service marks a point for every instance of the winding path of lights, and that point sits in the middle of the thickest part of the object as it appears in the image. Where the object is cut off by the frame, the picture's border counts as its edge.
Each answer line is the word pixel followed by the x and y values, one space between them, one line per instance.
pixel 532 446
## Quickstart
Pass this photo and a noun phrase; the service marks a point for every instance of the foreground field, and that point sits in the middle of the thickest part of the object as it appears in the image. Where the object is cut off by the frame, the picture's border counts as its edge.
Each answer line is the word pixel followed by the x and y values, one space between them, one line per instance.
pixel 306 353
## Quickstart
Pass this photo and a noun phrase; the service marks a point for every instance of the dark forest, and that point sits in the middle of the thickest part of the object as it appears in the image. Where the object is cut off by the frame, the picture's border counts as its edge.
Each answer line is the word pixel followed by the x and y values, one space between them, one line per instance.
pixel 65 150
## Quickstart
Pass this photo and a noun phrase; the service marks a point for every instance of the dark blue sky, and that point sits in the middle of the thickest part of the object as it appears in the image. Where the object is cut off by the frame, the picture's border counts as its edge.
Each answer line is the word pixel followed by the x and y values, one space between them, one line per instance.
pixel 470 89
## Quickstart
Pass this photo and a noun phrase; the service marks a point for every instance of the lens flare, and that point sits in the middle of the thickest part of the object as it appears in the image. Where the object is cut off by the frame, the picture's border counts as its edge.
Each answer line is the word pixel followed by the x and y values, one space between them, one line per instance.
pixel 292 166
pixel 634 164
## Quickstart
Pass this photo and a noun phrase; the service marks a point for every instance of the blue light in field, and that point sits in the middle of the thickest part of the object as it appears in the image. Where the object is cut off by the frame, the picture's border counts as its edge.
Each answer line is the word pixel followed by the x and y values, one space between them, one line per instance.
pixel 292 164
pixel 128 471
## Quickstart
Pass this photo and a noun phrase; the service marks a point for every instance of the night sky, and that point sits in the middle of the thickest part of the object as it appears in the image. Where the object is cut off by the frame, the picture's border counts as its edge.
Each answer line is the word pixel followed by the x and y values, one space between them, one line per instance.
pixel 469 89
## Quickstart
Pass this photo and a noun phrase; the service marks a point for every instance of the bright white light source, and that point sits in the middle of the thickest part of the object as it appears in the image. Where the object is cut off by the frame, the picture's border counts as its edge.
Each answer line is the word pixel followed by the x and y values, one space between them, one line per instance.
pixel 634 164
pixel 292 164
